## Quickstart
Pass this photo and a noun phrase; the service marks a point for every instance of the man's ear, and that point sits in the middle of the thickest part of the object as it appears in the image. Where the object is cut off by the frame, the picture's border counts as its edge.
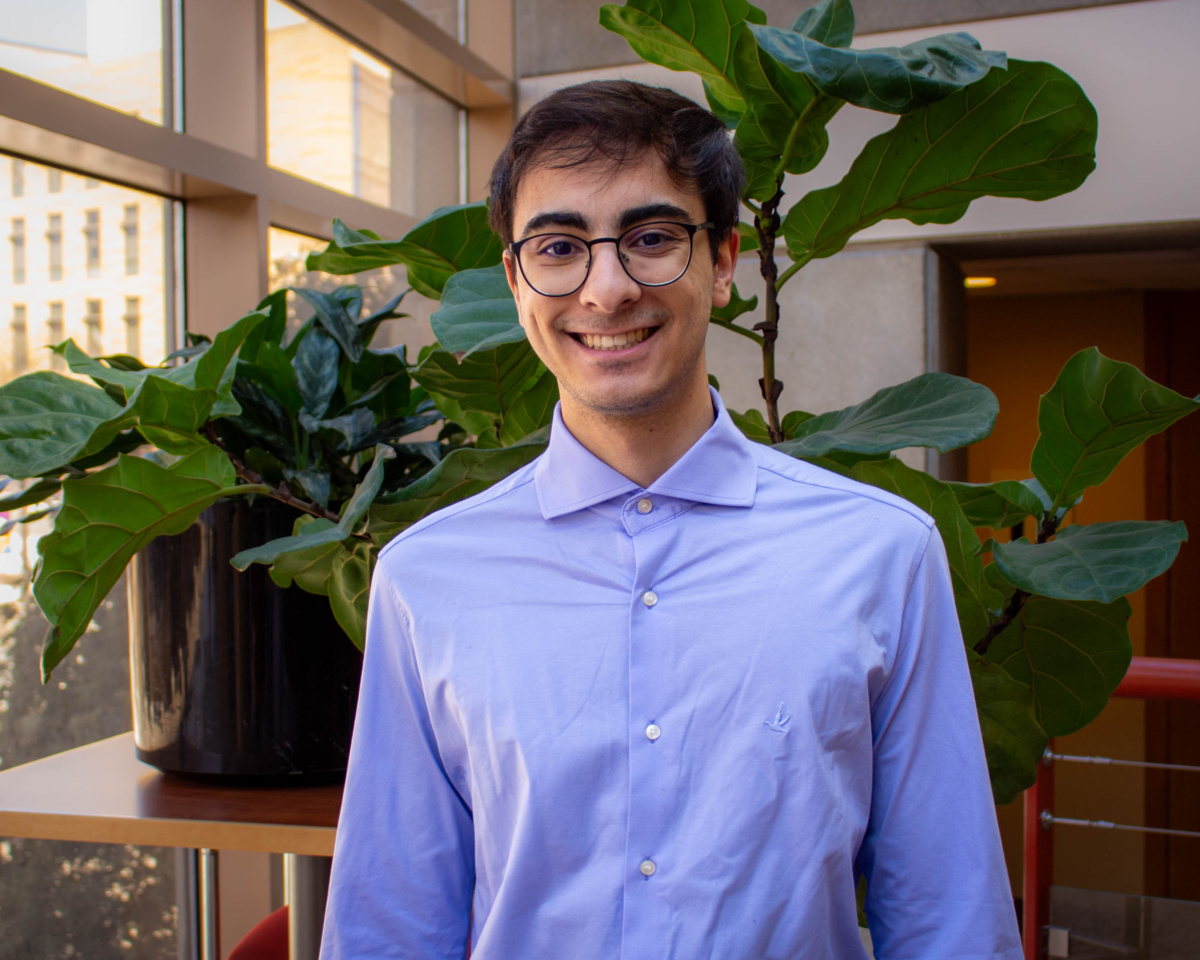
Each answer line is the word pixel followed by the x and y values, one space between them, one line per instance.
pixel 727 254
pixel 510 271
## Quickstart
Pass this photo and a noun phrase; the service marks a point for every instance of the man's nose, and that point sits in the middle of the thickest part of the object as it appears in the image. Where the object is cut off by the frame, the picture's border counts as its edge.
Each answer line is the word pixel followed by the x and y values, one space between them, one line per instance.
pixel 608 287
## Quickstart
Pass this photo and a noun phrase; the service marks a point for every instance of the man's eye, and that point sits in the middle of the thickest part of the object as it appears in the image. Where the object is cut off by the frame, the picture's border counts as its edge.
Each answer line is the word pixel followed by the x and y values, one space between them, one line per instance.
pixel 559 248
pixel 655 239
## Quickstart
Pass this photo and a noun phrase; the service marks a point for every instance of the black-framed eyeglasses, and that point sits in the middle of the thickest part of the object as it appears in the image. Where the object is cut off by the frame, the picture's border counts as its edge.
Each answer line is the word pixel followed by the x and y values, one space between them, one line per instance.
pixel 652 254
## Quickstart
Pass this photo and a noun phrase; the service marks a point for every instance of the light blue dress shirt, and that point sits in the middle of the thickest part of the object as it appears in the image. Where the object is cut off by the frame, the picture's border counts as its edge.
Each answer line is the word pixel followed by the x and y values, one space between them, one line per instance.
pixel 602 722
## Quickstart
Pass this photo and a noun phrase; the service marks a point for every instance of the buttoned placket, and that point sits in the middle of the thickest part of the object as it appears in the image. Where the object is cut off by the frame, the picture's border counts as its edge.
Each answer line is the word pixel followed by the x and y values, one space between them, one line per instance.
pixel 653 754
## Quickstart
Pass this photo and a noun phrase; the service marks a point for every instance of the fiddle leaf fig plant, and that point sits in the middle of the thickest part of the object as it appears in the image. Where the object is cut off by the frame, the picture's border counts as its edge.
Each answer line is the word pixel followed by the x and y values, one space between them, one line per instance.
pixel 1046 623
pixel 363 442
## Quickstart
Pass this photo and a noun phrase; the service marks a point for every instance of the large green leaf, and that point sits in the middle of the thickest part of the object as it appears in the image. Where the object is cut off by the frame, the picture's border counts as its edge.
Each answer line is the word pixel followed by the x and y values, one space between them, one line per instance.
pixel 1013 740
pixel 1095 561
pixel 1096 412
pixel 974 597
pixel 1004 503
pixel 935 410
pixel 783 128
pixel 352 514
pixel 333 313
pixel 698 37
pixel 309 569
pixel 349 588
pixel 830 22
pixel 477 312
pixel 890 79
pixel 207 370
pixel 108 517
pixel 1073 654
pixel 464 473
pixel 168 414
pixel 46 421
pixel 316 370
pixel 488 381
pixel 1027 132
pixel 533 409
pixel 448 240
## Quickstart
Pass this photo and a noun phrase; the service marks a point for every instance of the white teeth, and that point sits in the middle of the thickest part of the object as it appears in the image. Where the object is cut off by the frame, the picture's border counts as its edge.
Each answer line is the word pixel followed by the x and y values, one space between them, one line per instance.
pixel 617 341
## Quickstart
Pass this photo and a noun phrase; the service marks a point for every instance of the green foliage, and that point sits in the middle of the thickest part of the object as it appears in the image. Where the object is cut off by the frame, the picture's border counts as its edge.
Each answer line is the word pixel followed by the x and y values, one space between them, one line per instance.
pixel 108 517
pixel 933 410
pixel 1099 561
pixel 1096 412
pixel 975 599
pixel 1028 132
pixel 1055 639
pixel 447 241
pixel 1013 739
pixel 477 312
pixel 997 505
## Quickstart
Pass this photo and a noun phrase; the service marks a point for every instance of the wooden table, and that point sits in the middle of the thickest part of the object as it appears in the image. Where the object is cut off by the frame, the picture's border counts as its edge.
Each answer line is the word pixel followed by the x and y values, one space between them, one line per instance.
pixel 102 793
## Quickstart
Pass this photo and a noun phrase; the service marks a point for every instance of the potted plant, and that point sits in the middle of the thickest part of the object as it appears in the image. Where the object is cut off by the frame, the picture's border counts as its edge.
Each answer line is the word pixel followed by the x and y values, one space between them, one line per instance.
pixel 262 445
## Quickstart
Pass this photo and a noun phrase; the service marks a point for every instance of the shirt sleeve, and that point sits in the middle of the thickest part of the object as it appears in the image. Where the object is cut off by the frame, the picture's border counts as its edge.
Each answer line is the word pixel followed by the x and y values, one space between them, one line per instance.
pixel 937 887
pixel 403 862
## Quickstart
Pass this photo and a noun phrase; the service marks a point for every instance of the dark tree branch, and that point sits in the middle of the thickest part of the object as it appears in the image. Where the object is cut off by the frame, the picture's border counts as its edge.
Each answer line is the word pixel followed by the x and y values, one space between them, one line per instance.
pixel 766 224
pixel 281 492
pixel 1017 601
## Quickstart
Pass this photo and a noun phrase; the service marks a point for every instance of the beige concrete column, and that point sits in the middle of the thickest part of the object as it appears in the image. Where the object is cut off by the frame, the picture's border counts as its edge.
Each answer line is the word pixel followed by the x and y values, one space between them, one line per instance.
pixel 490 36
pixel 225 103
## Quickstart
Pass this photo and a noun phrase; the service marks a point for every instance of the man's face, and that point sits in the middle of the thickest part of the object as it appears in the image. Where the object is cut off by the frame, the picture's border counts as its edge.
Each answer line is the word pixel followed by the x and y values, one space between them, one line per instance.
pixel 662 360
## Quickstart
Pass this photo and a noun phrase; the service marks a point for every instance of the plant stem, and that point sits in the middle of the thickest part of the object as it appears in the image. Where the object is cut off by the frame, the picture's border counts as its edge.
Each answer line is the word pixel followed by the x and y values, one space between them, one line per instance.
pixel 766 223
pixel 1017 600
pixel 280 493
pixel 730 325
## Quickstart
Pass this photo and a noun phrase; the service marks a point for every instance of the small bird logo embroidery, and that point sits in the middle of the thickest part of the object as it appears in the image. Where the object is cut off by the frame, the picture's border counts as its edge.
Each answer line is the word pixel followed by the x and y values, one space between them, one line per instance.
pixel 779 724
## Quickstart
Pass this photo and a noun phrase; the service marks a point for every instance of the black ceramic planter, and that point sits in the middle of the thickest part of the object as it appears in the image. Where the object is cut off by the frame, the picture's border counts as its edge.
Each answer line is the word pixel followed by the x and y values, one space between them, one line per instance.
pixel 232 675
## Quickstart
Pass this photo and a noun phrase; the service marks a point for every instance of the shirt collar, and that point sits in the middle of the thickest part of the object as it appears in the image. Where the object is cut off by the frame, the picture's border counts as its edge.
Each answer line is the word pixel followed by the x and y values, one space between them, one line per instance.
pixel 720 468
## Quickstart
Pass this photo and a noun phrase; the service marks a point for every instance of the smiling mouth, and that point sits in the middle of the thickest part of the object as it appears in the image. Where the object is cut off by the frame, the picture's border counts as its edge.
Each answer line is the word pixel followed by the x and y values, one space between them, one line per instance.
pixel 614 341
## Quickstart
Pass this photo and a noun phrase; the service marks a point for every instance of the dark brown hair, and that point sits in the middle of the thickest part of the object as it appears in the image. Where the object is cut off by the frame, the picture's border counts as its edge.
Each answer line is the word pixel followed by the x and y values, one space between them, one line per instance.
pixel 614 121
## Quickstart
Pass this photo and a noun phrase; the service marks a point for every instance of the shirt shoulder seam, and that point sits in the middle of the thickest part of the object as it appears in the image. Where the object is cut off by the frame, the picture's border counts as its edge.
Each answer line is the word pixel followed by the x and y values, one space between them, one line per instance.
pixel 888 501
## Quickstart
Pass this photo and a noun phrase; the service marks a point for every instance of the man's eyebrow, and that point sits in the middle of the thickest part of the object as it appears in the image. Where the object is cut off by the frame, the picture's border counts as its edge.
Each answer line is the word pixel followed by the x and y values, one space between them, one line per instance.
pixel 556 218
pixel 652 211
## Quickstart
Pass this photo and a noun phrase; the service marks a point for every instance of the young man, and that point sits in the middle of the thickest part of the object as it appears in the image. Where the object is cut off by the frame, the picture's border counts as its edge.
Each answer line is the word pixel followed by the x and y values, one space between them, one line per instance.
pixel 664 693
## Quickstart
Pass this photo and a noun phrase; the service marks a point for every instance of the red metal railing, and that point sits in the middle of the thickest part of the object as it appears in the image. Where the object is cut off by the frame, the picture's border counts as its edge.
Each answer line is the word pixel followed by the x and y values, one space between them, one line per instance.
pixel 1149 678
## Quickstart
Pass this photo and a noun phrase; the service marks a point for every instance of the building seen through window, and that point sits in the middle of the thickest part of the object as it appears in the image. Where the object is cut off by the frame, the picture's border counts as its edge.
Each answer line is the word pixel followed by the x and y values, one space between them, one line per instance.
pixel 17 237
pixel 91 234
pixel 54 252
pixel 129 225
pixel 100 279
pixel 20 342
pixel 133 321
pixel 344 119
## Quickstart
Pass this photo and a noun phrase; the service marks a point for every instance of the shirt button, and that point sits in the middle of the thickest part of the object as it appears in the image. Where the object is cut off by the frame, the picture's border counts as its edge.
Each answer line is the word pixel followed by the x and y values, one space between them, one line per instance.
pixel 645 505
pixel 647 867
pixel 653 732
pixel 649 598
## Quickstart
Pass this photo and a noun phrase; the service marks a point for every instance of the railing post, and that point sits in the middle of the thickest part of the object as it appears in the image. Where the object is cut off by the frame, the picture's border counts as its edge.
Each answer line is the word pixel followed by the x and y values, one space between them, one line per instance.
pixel 1039 862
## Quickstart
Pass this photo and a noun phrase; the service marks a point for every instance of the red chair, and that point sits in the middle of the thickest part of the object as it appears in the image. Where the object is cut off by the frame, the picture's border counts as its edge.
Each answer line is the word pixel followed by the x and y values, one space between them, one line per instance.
pixel 267 941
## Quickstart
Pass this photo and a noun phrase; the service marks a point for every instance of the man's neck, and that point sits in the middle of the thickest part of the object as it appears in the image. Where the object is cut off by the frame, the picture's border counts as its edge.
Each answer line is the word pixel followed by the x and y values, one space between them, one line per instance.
pixel 644 447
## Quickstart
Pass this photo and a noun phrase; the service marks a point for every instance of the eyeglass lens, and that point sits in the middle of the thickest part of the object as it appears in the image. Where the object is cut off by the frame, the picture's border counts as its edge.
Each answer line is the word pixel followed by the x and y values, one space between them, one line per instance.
pixel 555 264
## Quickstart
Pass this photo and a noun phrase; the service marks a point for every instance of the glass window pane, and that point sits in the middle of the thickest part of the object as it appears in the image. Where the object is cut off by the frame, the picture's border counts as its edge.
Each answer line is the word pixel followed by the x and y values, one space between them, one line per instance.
pixel 109 51
pixel 77 257
pixel 337 116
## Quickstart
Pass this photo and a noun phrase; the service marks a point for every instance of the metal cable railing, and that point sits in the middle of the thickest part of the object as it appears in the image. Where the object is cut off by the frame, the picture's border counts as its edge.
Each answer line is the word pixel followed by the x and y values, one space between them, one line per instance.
pixel 1149 678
